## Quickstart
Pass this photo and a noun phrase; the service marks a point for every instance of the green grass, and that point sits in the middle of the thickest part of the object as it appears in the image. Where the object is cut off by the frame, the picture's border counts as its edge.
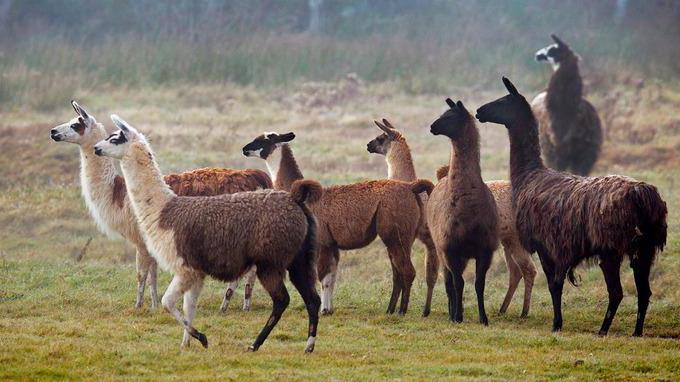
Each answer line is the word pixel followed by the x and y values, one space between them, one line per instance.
pixel 62 319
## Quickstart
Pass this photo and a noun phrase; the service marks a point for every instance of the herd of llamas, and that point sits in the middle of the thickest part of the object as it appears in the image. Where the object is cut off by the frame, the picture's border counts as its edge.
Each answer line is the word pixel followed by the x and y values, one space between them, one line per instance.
pixel 247 224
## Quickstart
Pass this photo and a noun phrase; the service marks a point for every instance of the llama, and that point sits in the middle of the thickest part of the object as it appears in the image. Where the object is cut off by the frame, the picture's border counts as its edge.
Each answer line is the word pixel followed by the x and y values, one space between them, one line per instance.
pixel 397 153
pixel 569 219
pixel 220 236
pixel 352 216
pixel 109 205
pixel 461 212
pixel 570 132
pixel 392 144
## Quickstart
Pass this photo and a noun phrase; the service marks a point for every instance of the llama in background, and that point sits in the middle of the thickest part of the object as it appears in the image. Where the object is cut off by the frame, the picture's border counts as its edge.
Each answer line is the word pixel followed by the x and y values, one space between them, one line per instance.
pixel 108 203
pixel 569 128
pixel 221 236
pixel 569 219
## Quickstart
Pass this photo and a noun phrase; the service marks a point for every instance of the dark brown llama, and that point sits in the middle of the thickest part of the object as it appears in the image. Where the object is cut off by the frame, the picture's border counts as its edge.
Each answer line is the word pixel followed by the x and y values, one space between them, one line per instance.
pixel 461 212
pixel 568 219
pixel 570 131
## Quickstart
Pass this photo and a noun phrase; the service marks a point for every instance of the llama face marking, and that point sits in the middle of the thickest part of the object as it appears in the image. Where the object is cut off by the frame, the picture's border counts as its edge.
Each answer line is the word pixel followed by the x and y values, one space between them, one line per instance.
pixel 118 143
pixel 554 54
pixel 451 123
pixel 264 145
pixel 78 130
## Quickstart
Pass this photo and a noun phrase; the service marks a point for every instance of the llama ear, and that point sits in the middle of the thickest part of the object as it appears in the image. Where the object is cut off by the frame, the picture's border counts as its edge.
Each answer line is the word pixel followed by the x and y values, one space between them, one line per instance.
pixel 461 106
pixel 450 102
pixel 384 128
pixel 508 85
pixel 79 110
pixel 557 40
pixel 286 137
pixel 121 124
pixel 388 124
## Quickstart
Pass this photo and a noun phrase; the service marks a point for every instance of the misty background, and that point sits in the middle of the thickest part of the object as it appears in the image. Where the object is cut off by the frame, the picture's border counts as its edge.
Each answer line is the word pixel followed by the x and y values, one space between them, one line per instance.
pixel 51 48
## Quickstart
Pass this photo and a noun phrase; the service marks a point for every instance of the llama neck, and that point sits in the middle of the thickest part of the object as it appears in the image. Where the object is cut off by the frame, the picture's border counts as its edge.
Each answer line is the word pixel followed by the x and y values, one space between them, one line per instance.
pixel 565 89
pixel 399 162
pixel 97 174
pixel 283 168
pixel 525 152
pixel 465 157
pixel 145 185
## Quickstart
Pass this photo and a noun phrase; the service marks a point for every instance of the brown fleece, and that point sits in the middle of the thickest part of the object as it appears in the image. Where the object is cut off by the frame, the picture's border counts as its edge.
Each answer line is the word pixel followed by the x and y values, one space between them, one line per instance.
pixel 569 127
pixel 352 216
pixel 568 219
pixel 119 191
pixel 217 181
pixel 461 212
pixel 224 235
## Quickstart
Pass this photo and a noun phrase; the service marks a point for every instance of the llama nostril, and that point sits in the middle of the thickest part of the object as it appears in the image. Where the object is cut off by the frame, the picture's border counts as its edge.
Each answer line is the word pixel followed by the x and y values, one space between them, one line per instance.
pixel 97 151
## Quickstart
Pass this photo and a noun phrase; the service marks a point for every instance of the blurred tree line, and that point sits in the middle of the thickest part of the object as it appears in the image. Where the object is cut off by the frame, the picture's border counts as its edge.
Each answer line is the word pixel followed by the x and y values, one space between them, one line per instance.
pixel 86 19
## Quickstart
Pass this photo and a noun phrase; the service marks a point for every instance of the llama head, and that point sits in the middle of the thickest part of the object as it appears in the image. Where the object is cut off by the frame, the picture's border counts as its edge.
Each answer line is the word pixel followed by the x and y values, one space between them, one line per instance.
pixel 556 53
pixel 453 121
pixel 382 143
pixel 264 145
pixel 506 110
pixel 119 143
pixel 79 130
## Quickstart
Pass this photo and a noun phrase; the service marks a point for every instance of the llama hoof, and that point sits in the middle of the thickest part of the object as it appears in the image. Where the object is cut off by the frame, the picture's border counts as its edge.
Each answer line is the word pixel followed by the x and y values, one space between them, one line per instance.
pixel 310 344
pixel 326 312
pixel 426 312
pixel 602 333
pixel 199 336
pixel 138 304
pixel 484 321
pixel 253 348
pixel 637 334
pixel 524 314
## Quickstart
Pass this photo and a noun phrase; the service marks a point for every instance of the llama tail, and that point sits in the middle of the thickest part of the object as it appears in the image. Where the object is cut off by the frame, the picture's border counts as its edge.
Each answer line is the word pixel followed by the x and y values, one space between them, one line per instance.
pixel 261 178
pixel 305 190
pixel 442 172
pixel 422 185
pixel 652 227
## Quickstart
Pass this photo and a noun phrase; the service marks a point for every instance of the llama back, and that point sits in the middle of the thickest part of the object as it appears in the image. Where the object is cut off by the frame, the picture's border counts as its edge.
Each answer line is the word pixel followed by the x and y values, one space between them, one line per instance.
pixel 208 231
pixel 217 181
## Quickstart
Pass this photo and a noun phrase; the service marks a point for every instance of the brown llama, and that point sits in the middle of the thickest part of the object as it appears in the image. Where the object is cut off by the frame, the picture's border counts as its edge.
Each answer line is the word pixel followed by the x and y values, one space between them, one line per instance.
pixel 109 205
pixel 220 236
pixel 570 132
pixel 352 216
pixel 400 166
pixel 461 212
pixel 568 219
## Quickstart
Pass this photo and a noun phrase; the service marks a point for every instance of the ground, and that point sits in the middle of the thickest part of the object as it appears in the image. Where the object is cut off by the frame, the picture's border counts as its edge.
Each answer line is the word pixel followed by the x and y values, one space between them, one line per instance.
pixel 65 318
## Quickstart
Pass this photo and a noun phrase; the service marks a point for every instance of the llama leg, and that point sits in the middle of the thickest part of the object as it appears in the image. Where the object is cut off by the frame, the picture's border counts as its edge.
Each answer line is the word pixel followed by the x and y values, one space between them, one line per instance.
pixel 432 271
pixel 250 277
pixel 228 294
pixel 515 275
pixel 408 273
pixel 144 262
pixel 450 293
pixel 304 279
pixel 327 266
pixel 272 281
pixel 526 265
pixel 611 266
pixel 189 306
pixel 396 287
pixel 481 267
pixel 153 283
pixel 641 268
pixel 555 285
pixel 457 268
pixel 178 286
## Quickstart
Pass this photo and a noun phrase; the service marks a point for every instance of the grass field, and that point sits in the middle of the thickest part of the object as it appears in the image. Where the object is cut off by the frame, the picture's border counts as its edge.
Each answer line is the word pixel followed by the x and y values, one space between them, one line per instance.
pixel 67 319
